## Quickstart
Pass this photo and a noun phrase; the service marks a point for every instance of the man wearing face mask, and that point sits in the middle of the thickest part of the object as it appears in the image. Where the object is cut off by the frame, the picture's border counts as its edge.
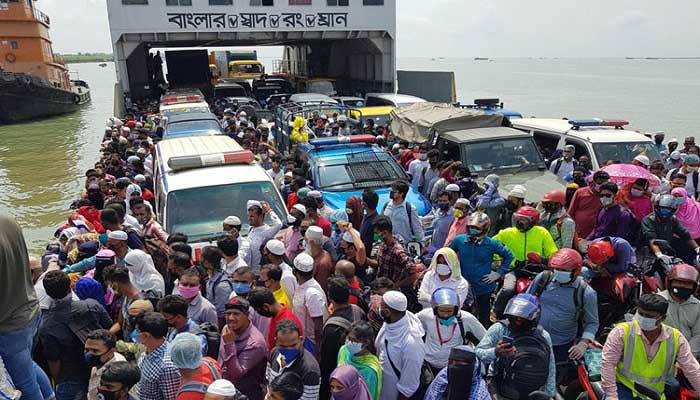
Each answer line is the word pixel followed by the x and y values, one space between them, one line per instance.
pixel 444 217
pixel 556 220
pixel 565 164
pixel 491 201
pixel 199 309
pixel 645 352
pixel 446 326
pixel 585 204
pixel 476 251
pixel 117 380
pixel 612 219
pixel 100 353
pixel 608 256
pixel 459 225
pixel 690 167
pixel 415 167
pixel 529 243
pixel 293 235
pixel 578 176
pixel 662 224
pixel 430 174
pixel 502 342
pixel 400 348
pixel 567 302
pixel 684 308
pixel 290 355
pixel 275 254
pixel 659 141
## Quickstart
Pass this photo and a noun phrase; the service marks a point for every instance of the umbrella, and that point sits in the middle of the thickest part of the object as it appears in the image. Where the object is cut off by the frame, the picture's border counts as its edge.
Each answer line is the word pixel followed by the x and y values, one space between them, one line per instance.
pixel 623 174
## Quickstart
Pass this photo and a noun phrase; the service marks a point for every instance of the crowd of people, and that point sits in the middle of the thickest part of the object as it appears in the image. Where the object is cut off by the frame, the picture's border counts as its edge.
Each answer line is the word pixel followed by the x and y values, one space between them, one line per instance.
pixel 330 304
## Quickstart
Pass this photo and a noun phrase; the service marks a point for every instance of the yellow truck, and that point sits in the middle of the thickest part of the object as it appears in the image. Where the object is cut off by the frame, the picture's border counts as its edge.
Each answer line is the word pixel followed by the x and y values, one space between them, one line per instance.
pixel 244 70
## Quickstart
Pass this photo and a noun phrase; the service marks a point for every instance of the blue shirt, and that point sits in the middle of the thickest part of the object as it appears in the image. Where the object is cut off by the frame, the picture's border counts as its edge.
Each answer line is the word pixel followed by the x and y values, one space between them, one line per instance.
pixel 401 225
pixel 486 352
pixel 218 291
pixel 88 264
pixel 559 311
pixel 624 255
pixel 441 227
pixel 475 261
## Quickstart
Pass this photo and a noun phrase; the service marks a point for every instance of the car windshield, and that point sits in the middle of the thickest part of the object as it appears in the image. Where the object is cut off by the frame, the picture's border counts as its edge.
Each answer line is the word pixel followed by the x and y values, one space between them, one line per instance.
pixel 354 103
pixel 359 170
pixel 379 120
pixel 188 109
pixel 231 92
pixel 496 155
pixel 249 68
pixel 322 87
pixel 204 127
pixel 624 152
pixel 199 212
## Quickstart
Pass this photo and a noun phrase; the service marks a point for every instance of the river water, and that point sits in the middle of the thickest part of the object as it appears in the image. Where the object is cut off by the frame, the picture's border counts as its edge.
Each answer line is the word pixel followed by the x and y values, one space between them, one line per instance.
pixel 42 162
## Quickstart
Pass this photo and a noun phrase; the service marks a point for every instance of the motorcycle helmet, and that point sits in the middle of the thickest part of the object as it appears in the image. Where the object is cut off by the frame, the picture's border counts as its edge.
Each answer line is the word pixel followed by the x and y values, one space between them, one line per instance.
pixel 444 296
pixel 478 221
pixel 665 206
pixel 682 272
pixel 525 306
pixel 599 252
pixel 567 260
pixel 555 196
pixel 525 218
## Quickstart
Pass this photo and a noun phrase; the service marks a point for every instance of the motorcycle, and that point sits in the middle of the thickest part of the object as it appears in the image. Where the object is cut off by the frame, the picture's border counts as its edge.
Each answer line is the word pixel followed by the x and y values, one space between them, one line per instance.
pixel 586 385
pixel 525 273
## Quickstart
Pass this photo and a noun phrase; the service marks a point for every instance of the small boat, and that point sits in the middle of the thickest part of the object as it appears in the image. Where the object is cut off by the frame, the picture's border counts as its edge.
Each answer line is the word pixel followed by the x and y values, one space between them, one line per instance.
pixel 480 59
pixel 103 65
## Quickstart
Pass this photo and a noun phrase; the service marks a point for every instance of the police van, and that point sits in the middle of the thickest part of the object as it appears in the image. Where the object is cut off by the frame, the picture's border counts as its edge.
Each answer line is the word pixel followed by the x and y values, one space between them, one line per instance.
pixel 200 180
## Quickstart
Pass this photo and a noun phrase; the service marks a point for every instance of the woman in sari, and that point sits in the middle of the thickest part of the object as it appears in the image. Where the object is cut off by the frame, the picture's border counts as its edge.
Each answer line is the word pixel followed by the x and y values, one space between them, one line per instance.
pixel 688 212
pixel 358 351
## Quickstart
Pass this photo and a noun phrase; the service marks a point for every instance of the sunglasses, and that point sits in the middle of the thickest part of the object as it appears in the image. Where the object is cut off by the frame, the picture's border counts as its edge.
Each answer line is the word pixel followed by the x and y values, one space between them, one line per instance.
pixel 606 195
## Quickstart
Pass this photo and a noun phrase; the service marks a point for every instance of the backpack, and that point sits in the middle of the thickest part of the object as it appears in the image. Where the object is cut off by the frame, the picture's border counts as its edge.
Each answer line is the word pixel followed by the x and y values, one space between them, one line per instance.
pixel 527 371
pixel 220 280
pixel 408 212
pixel 211 333
pixel 200 387
pixel 579 292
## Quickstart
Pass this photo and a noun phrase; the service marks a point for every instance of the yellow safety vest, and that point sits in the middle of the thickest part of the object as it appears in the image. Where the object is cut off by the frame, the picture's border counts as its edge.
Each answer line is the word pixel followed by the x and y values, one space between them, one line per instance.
pixel 634 366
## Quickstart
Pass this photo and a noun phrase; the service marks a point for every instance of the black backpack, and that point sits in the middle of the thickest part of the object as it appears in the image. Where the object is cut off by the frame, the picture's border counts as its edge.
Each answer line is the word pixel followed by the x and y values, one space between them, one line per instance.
pixel 527 371
pixel 211 333
pixel 634 233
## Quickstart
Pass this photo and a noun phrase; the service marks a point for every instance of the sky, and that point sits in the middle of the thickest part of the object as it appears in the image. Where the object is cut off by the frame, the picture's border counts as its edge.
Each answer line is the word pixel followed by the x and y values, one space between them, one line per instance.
pixel 475 28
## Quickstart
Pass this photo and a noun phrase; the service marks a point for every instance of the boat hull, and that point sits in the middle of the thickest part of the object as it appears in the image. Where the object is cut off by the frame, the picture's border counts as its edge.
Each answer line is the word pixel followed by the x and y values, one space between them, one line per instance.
pixel 24 98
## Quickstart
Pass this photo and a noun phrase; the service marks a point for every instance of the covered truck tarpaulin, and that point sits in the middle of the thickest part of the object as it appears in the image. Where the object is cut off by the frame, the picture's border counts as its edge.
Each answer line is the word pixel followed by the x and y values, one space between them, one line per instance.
pixel 416 122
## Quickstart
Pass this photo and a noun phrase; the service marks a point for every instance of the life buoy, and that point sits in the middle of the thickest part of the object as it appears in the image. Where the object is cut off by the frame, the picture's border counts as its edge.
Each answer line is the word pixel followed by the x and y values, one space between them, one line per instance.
pixel 10 57
pixel 76 98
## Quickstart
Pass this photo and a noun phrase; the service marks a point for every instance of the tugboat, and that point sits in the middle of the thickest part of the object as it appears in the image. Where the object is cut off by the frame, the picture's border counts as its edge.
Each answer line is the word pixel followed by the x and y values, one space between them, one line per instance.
pixel 34 82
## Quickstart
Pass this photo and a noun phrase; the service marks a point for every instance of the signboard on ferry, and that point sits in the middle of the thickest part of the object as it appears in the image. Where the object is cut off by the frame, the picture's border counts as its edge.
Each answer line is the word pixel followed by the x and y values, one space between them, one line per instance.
pixel 242 21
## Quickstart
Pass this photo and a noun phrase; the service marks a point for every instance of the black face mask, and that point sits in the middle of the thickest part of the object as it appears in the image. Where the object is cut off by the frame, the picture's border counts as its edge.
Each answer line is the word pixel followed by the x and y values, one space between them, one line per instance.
pixel 672 146
pixel 681 292
pixel 460 376
pixel 444 207
pixel 550 208
pixel 107 395
pixel 519 325
pixel 511 206
pixel 658 140
pixel 522 226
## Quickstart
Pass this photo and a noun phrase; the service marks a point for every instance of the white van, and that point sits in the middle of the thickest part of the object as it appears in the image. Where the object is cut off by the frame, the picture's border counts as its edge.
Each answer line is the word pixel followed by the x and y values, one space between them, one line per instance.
pixel 201 180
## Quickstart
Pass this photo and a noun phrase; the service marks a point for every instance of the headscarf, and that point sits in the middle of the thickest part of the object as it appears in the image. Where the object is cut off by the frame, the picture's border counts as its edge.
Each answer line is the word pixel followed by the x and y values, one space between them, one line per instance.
pixel 303 192
pixel 444 388
pixel 69 233
pixel 688 213
pixel 640 206
pixel 131 189
pixel 88 288
pixel 355 388
pixel 369 368
pixel 143 273
pixel 354 203
pixel 452 260
pixel 92 215
pixel 19 303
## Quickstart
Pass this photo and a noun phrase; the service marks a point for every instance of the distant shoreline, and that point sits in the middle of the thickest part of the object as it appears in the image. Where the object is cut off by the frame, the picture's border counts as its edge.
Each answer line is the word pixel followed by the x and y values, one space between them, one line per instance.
pixel 76 59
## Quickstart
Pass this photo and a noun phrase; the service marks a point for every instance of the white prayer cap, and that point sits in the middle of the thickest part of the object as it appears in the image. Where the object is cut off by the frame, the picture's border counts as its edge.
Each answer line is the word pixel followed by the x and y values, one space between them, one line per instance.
pixel 300 207
pixel 518 191
pixel 395 300
pixel 232 220
pixel 275 247
pixel 222 387
pixel 118 235
pixel 253 203
pixel 304 262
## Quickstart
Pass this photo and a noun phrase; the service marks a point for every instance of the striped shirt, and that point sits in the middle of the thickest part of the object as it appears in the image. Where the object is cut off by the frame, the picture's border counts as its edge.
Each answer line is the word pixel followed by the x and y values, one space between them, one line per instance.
pixel 305 366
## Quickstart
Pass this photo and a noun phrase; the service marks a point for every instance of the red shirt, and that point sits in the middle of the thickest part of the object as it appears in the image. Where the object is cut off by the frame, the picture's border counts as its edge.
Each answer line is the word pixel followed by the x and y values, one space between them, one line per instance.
pixel 205 376
pixel 354 285
pixel 292 200
pixel 284 314
pixel 324 224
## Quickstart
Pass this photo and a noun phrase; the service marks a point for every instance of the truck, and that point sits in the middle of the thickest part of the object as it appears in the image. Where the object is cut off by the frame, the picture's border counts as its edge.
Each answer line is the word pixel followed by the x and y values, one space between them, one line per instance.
pixel 189 69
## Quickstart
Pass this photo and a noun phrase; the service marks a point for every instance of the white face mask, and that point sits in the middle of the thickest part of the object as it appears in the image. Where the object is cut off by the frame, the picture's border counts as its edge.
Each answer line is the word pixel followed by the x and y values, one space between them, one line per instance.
pixel 443 269
pixel 645 323
pixel 636 192
pixel 606 201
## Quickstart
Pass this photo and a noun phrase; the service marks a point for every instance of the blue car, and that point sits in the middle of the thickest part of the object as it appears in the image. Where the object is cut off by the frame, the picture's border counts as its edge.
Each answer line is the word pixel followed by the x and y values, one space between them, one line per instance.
pixel 342 167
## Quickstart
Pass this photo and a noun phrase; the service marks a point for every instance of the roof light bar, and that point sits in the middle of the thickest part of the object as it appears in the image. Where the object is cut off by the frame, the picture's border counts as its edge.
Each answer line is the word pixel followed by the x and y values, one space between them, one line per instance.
pixel 209 160
pixel 332 141
pixel 617 123
pixel 181 99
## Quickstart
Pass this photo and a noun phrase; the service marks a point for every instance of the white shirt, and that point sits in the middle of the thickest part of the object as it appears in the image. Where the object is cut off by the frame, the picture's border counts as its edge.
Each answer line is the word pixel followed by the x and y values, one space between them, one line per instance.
pixel 405 356
pixel 278 177
pixel 436 353
pixel 233 265
pixel 415 169
pixel 259 235
pixel 431 282
pixel 309 302
pixel 288 282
